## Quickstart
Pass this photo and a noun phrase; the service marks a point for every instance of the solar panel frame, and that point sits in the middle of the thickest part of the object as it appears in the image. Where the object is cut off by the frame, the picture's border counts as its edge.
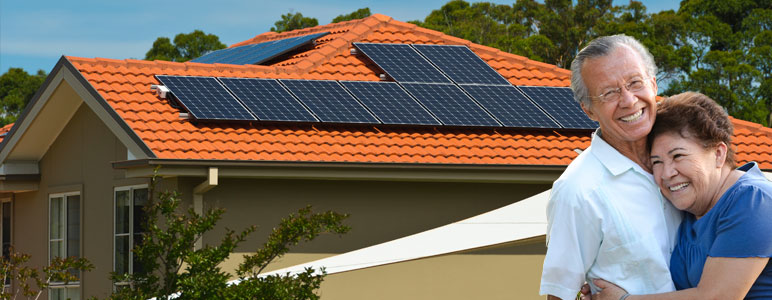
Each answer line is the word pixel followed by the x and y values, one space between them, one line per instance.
pixel 559 103
pixel 329 101
pixel 451 105
pixel 256 54
pixel 461 64
pixel 510 106
pixel 268 100
pixel 402 63
pixel 390 103
pixel 205 98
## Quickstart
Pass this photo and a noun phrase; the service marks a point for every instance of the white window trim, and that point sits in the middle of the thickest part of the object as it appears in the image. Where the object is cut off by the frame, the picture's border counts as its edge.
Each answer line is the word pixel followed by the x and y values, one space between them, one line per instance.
pixel 72 284
pixel 131 189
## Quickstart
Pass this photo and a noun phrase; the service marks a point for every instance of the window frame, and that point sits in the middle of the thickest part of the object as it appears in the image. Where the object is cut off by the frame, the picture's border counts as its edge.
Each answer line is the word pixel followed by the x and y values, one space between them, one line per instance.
pixel 130 234
pixel 73 285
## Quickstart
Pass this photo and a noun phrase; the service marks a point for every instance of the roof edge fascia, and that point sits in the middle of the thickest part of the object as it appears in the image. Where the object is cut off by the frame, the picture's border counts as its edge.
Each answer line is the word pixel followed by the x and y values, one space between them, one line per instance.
pixel 65 71
pixel 533 174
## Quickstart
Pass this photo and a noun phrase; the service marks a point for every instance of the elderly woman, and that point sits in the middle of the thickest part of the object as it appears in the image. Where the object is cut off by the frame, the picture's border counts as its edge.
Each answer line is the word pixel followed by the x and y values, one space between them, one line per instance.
pixel 725 240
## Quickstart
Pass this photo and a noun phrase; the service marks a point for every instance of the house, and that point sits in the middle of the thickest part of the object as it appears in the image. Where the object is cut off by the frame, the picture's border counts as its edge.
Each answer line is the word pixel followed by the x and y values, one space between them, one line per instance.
pixel 76 166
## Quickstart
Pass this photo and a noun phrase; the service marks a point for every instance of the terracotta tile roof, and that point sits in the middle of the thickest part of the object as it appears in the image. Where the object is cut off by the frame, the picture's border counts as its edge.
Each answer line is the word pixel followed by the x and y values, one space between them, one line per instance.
pixel 125 85
pixel 4 130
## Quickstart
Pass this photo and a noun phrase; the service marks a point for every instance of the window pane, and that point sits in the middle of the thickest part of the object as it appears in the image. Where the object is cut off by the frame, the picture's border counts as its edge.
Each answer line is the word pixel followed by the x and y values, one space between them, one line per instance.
pixel 122 205
pixel 122 254
pixel 57 249
pixel 56 294
pixel 140 199
pixel 73 226
pixel 136 265
pixel 57 228
pixel 73 293
pixel 6 228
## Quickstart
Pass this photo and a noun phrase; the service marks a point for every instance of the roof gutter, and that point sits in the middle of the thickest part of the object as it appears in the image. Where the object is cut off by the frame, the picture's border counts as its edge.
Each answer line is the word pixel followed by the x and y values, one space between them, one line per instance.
pixel 534 174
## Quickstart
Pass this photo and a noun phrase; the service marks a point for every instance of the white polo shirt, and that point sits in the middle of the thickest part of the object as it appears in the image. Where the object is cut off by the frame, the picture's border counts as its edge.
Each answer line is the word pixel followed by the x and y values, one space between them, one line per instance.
pixel 607 219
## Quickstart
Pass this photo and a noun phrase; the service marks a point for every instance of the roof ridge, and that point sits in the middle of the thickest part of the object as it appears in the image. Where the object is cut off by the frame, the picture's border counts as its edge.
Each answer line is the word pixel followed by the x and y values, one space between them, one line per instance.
pixel 272 35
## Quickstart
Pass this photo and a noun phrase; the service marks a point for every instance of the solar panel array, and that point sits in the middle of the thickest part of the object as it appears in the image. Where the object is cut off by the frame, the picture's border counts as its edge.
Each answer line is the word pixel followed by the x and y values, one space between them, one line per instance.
pixel 510 106
pixel 257 53
pixel 560 104
pixel 330 101
pixel 461 64
pixel 390 103
pixel 268 99
pixel 205 98
pixel 436 85
pixel 450 104
pixel 402 62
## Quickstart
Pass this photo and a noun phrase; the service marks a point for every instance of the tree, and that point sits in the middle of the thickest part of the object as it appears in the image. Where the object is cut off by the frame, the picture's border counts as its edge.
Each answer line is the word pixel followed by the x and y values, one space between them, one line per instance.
pixel 186 46
pixel 293 21
pixel 358 14
pixel 17 87
pixel 172 266
pixel 729 44
pixel 60 269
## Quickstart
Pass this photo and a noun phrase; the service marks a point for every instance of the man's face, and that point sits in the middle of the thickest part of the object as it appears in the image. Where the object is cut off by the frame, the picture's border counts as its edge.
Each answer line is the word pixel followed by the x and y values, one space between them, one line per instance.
pixel 630 118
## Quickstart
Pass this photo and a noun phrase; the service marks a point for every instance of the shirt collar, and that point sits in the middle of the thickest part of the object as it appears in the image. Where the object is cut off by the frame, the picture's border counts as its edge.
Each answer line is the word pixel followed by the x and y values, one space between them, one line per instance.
pixel 612 160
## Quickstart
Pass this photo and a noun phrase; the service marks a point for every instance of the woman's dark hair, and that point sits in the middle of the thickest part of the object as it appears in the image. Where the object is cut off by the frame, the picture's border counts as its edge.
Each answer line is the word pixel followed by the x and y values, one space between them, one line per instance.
pixel 694 115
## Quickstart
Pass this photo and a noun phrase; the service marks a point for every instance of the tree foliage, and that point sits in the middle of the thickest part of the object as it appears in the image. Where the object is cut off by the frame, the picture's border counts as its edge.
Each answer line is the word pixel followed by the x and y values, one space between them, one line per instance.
pixel 293 21
pixel 358 14
pixel 186 46
pixel 60 269
pixel 17 87
pixel 172 266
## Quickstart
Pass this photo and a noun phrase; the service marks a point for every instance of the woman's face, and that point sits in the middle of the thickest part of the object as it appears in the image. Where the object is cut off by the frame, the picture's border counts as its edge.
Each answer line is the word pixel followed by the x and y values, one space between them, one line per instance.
pixel 687 174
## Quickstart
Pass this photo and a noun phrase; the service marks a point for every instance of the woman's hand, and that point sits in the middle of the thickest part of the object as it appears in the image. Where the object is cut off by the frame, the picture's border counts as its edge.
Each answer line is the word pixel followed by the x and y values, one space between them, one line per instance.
pixel 609 290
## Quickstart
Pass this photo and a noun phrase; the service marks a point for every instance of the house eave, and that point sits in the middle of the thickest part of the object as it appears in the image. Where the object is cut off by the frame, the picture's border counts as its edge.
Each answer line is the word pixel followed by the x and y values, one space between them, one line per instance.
pixel 531 174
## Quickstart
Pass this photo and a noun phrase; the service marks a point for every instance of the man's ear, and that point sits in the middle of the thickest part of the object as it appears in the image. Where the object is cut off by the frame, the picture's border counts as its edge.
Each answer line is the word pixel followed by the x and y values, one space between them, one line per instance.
pixel 588 112
pixel 721 150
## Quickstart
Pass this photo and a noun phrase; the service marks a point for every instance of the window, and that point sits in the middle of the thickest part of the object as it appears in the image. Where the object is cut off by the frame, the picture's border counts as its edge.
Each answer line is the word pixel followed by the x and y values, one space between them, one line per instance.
pixel 64 239
pixel 5 211
pixel 129 216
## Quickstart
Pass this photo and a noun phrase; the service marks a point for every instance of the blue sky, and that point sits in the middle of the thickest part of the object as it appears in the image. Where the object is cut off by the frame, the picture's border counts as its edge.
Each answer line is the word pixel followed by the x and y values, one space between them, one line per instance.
pixel 34 34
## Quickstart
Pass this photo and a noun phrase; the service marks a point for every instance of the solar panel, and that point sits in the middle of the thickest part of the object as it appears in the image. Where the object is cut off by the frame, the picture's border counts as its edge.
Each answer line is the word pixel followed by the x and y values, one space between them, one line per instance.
pixel 402 62
pixel 258 53
pixel 450 104
pixel 509 106
pixel 390 103
pixel 559 103
pixel 461 64
pixel 268 100
pixel 329 101
pixel 205 98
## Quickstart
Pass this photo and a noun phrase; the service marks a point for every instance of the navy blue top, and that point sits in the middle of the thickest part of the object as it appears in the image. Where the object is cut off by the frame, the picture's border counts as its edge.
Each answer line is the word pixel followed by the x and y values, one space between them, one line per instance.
pixel 739 225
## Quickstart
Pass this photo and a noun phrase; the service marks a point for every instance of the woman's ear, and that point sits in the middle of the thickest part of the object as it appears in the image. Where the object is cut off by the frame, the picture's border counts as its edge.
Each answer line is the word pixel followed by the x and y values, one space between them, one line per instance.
pixel 721 150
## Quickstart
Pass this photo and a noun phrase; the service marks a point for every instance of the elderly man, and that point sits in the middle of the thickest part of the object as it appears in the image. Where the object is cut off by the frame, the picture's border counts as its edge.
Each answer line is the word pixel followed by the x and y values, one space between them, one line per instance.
pixel 607 218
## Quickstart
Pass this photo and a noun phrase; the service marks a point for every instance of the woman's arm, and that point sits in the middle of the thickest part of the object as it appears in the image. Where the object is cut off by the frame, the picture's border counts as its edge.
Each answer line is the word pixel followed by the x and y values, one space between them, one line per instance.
pixel 722 278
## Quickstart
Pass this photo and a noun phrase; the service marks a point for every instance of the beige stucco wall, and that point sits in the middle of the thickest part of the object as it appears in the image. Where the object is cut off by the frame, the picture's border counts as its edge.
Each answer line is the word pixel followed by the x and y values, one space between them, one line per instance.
pixel 80 160
pixel 510 272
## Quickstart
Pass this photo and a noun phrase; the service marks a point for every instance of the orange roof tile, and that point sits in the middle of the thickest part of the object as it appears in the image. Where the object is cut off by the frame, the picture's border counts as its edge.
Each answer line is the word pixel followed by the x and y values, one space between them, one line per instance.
pixel 125 85
pixel 4 130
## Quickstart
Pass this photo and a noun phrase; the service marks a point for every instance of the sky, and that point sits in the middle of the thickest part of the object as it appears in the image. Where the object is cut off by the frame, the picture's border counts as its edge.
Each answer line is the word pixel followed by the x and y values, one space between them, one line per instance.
pixel 34 34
